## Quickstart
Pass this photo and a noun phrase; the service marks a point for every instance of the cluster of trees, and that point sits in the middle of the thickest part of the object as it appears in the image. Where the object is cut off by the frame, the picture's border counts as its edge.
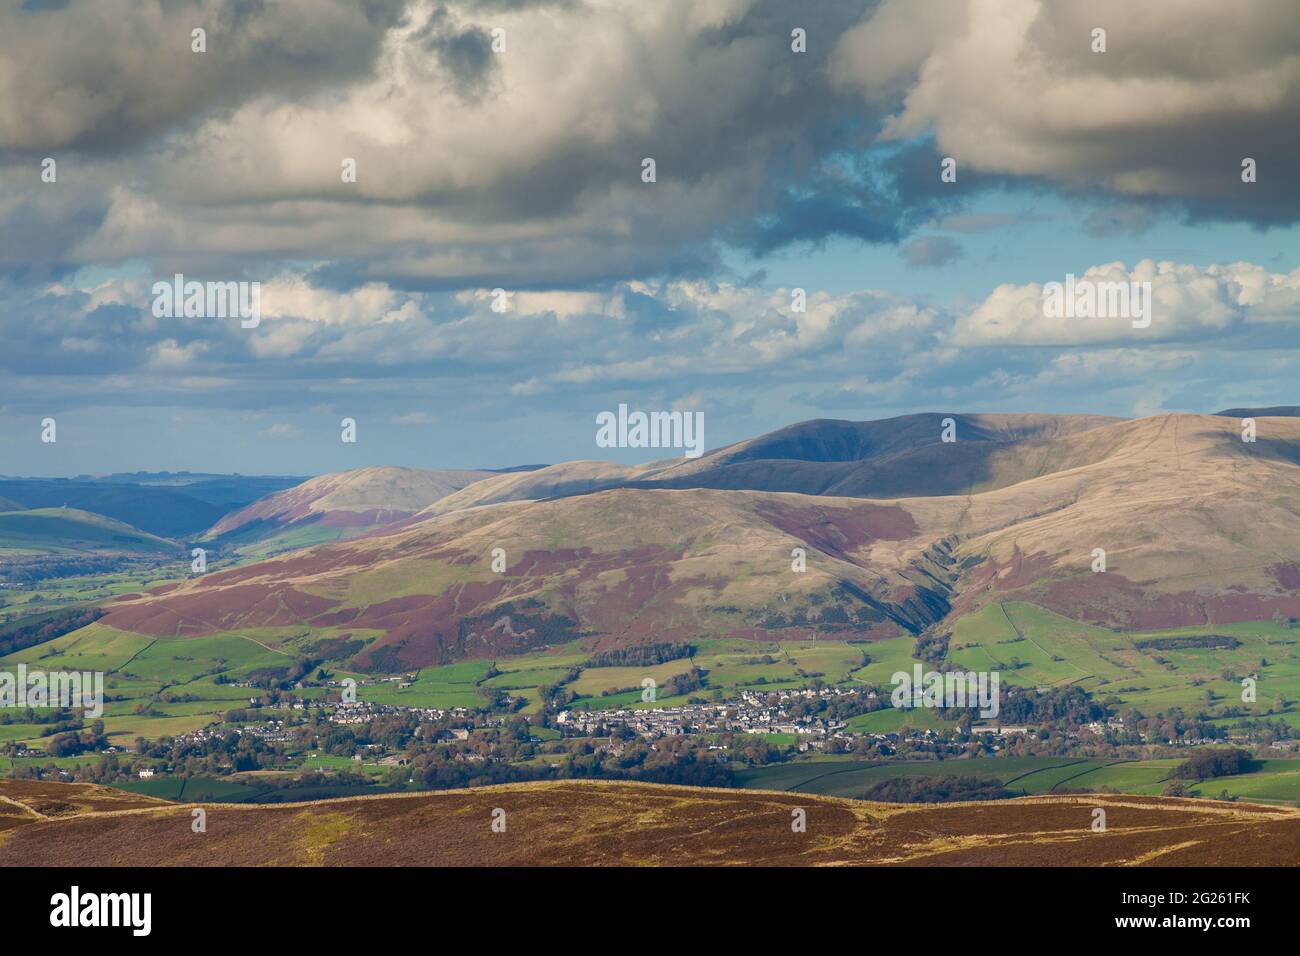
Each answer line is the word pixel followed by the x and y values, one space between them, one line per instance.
pixel 687 682
pixel 641 655
pixel 1062 707
pixel 283 678
pixel 221 754
pixel 46 628
pixel 925 789
pixel 1215 762
pixel 556 697
pixel 77 742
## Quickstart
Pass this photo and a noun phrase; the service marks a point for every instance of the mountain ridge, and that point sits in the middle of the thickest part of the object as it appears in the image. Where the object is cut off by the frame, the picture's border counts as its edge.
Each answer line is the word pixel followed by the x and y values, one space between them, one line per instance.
pixel 1197 525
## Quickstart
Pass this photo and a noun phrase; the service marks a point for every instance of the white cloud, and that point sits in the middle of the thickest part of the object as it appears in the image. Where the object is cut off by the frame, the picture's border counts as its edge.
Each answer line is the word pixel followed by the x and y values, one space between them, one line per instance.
pixel 1189 303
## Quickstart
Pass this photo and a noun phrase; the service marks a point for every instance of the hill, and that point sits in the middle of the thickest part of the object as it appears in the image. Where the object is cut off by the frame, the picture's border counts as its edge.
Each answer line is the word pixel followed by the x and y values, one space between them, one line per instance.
pixel 72 531
pixel 892 458
pixel 172 510
pixel 621 566
pixel 337 505
pixel 1198 528
pixel 550 481
pixel 593 823
pixel 1274 411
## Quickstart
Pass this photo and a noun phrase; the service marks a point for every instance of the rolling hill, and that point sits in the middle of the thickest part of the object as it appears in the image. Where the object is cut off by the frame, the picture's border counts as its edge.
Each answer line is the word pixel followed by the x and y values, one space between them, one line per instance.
pixel 338 505
pixel 1198 528
pixel 38 531
pixel 621 565
pixel 1273 411
pixel 603 823
pixel 551 481
pixel 890 458
pixel 37 544
pixel 174 509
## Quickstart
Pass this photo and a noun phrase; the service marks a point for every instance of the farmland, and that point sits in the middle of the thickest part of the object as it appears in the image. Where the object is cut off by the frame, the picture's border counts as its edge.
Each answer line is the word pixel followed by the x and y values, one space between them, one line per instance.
pixel 1027 645
pixel 1275 781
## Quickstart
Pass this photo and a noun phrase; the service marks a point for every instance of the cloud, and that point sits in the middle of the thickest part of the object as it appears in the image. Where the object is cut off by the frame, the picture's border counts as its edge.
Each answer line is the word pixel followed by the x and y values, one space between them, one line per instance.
pixel 99 76
pixel 407 350
pixel 521 168
pixel 1240 305
pixel 474 167
pixel 1183 93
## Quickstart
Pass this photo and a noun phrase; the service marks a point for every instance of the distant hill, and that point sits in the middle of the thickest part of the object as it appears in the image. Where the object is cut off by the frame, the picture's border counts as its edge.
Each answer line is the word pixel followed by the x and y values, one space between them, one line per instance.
pixel 182 478
pixel 606 823
pixel 71 531
pixel 235 491
pixel 339 505
pixel 167 510
pixel 1273 411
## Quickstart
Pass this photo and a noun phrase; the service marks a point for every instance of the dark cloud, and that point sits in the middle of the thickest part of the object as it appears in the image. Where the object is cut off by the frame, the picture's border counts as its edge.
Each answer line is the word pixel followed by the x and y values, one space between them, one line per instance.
pixel 106 76
pixel 1182 94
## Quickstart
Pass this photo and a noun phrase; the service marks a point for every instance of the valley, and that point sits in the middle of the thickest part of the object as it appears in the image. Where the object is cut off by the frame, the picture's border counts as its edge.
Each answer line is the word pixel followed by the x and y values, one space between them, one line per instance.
pixel 736 619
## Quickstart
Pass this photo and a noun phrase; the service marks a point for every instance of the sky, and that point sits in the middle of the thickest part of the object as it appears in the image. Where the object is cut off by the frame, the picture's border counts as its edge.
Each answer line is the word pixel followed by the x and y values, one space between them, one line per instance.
pixel 501 145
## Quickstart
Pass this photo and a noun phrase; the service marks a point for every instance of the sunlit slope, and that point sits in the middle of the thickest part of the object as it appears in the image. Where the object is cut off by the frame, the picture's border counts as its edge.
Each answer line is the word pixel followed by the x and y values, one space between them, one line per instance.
pixel 337 505
pixel 622 565
pixel 568 478
pixel 894 457
pixel 1197 527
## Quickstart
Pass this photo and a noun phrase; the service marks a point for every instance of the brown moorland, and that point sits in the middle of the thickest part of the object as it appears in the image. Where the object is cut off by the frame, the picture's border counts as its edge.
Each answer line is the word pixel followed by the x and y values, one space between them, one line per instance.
pixel 603 823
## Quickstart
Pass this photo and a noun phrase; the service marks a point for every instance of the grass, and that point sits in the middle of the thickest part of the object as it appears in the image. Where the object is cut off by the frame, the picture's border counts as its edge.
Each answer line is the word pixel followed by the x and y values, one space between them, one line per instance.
pixel 1028 645
pixel 1032 647
pixel 72 531
pixel 1275 781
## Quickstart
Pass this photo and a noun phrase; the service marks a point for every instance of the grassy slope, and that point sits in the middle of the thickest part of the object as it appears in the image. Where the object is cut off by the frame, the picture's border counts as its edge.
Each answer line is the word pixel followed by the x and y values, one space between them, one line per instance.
pixel 70 531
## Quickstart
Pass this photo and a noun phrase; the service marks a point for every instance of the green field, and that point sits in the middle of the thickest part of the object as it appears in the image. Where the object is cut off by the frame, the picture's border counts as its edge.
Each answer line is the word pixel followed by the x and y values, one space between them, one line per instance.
pixel 137 669
pixel 1033 647
pixel 1027 645
pixel 1276 781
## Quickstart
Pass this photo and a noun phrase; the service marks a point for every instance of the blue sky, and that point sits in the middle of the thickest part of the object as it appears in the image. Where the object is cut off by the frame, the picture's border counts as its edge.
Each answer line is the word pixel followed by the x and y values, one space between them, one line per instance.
pixel 501 145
